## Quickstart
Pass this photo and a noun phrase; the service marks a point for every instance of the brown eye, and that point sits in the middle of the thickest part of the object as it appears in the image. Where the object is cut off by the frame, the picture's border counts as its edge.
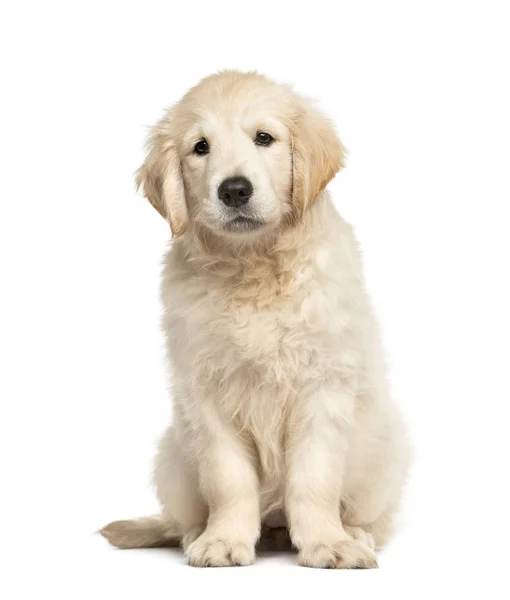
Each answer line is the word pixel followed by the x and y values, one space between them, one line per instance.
pixel 201 147
pixel 263 139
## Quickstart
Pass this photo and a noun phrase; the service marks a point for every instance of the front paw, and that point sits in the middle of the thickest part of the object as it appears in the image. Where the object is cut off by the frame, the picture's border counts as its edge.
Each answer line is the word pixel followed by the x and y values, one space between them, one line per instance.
pixel 345 554
pixel 209 551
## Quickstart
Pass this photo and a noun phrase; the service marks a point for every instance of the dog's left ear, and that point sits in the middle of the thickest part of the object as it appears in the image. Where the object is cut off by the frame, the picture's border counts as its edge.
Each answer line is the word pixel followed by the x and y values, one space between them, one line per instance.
pixel 317 156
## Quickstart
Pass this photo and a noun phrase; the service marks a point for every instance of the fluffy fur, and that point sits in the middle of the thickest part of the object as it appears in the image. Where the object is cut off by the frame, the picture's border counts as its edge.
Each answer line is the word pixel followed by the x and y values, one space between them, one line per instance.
pixel 283 422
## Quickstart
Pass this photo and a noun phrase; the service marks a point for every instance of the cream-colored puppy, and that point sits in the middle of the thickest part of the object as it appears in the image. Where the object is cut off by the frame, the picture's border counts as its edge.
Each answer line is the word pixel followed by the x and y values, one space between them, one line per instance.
pixel 282 415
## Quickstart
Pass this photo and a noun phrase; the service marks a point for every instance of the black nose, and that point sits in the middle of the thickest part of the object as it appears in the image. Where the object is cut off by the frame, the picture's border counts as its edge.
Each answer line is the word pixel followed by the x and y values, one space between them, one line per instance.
pixel 235 191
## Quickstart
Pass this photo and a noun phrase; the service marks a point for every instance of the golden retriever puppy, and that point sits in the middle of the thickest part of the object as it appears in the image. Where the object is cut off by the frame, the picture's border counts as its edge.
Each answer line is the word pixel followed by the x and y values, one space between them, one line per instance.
pixel 282 414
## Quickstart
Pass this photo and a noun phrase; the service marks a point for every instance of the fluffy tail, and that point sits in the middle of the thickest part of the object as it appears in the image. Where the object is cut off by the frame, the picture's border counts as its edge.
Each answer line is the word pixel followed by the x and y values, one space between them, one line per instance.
pixel 149 532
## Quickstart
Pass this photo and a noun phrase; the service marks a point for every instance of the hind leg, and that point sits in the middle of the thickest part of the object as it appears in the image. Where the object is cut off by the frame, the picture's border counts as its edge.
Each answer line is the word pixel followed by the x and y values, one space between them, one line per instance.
pixel 178 490
pixel 377 467
pixel 361 535
pixel 375 534
pixel 369 517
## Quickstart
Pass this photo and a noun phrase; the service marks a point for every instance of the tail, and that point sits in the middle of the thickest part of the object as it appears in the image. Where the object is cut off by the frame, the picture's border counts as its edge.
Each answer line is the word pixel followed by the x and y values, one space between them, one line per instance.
pixel 149 532
pixel 152 532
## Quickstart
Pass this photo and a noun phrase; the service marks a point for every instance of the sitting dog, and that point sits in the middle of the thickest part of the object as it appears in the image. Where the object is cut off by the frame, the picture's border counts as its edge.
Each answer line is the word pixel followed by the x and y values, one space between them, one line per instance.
pixel 282 415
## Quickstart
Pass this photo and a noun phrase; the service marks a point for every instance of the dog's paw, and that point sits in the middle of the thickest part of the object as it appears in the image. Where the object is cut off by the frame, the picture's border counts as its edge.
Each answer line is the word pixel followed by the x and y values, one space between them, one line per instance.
pixel 217 552
pixel 345 554
pixel 361 536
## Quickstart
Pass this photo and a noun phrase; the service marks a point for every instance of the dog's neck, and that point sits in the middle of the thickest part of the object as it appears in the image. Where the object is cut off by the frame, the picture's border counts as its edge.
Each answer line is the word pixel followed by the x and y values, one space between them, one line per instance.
pixel 211 252
pixel 257 273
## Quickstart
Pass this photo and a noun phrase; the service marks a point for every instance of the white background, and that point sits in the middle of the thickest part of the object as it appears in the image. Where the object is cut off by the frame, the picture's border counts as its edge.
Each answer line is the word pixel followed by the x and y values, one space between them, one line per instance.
pixel 419 92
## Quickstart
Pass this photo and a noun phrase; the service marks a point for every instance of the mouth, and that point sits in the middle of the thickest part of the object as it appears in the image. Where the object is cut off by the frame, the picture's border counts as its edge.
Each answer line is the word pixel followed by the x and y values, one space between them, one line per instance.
pixel 242 224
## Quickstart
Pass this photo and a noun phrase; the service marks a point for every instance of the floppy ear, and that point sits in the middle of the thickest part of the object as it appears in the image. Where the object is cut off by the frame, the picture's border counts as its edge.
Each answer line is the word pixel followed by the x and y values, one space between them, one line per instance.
pixel 161 180
pixel 317 156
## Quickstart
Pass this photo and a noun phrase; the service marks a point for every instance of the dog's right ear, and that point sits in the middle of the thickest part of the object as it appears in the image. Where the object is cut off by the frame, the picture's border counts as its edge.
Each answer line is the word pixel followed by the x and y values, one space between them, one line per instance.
pixel 160 178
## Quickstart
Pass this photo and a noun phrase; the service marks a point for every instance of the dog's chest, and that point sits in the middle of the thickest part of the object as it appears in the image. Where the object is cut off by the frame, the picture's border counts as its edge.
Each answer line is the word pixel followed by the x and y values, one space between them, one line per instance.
pixel 253 349
pixel 245 338
pixel 271 340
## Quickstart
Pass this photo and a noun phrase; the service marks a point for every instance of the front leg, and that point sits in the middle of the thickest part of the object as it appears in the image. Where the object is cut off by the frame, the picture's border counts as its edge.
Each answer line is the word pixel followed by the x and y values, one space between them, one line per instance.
pixel 316 452
pixel 229 484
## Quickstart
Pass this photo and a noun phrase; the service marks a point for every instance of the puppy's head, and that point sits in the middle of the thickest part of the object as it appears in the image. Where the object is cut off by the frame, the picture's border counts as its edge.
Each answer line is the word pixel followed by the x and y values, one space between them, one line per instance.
pixel 238 155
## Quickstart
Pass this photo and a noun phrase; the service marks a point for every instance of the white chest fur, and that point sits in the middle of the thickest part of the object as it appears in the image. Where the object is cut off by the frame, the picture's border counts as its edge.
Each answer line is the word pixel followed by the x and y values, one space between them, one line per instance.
pixel 255 339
